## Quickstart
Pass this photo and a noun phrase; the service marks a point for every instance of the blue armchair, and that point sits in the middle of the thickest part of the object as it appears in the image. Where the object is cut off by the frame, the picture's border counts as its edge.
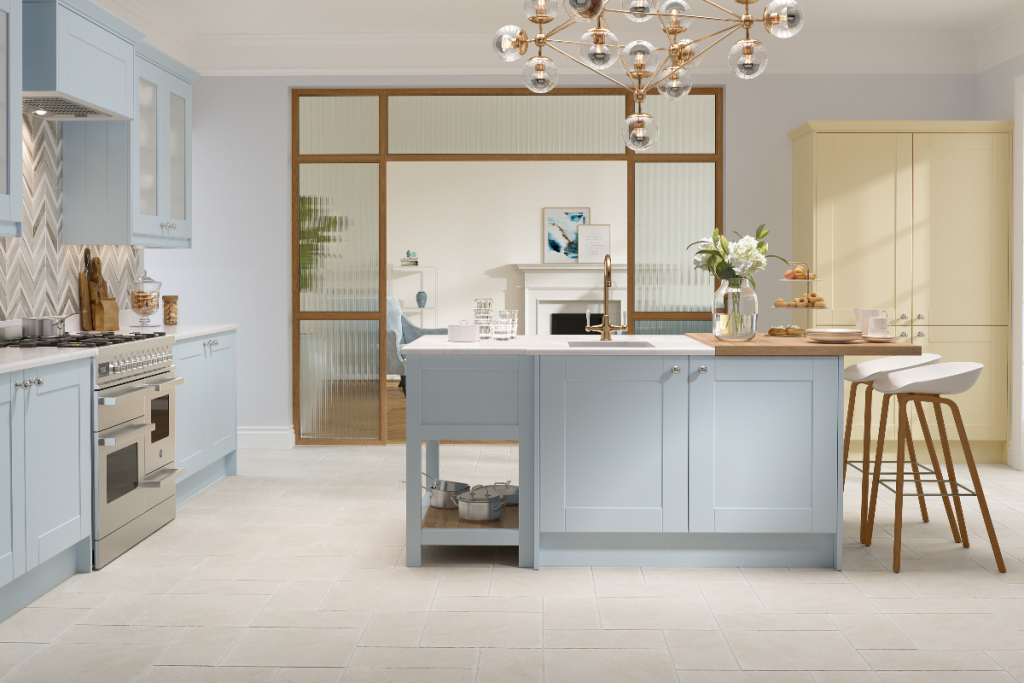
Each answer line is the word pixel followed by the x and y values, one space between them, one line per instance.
pixel 401 331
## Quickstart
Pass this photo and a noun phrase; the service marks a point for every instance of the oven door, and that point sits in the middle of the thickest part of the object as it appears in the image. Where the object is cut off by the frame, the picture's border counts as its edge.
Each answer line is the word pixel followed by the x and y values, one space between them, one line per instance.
pixel 120 496
pixel 160 411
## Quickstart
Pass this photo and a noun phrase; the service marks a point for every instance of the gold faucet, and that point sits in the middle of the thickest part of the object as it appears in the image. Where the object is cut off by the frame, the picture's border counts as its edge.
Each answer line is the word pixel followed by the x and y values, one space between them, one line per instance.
pixel 606 328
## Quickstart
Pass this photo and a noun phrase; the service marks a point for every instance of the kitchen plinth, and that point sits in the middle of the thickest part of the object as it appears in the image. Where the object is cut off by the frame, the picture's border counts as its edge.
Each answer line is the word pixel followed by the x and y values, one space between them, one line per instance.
pixel 655 451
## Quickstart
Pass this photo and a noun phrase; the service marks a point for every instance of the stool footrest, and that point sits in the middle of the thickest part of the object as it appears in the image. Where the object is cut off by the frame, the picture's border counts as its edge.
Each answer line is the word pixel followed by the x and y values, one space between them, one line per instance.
pixel 912 479
pixel 857 466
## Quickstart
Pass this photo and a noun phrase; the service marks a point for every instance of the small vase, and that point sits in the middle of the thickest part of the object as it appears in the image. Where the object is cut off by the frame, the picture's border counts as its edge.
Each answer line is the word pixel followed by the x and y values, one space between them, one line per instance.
pixel 421 299
pixel 735 311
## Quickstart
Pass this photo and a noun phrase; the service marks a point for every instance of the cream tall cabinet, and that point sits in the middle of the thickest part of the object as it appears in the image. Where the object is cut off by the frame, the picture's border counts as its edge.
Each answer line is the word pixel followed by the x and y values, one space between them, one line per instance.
pixel 914 218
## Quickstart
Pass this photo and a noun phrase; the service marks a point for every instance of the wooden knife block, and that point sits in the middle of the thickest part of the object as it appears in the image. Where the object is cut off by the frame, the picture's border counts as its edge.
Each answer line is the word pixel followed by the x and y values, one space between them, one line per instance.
pixel 105 315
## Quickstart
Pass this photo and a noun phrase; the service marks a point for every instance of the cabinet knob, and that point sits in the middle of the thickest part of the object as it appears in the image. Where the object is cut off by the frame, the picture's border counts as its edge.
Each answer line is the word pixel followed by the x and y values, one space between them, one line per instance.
pixel 920 316
pixel 17 385
pixel 920 334
pixel 675 369
pixel 904 334
pixel 39 381
pixel 904 316
pixel 703 369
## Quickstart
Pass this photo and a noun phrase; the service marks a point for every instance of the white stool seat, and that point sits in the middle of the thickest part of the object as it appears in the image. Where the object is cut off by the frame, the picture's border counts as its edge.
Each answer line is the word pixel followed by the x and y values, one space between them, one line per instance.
pixel 946 379
pixel 871 370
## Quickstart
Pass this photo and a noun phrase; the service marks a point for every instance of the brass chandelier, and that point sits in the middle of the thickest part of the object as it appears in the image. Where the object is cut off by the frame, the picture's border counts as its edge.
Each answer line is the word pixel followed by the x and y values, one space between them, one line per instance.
pixel 647 67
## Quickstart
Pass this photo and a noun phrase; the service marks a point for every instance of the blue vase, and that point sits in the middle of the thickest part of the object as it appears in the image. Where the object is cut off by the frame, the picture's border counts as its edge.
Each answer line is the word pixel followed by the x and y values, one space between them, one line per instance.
pixel 421 299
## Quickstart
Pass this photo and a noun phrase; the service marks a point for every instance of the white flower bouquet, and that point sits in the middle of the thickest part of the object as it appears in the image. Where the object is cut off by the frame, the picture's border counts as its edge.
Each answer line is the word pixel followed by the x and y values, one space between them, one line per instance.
pixel 733 261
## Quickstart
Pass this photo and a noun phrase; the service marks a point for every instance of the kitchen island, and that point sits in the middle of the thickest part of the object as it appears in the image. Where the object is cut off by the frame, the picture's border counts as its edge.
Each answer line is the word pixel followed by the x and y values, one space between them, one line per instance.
pixel 661 450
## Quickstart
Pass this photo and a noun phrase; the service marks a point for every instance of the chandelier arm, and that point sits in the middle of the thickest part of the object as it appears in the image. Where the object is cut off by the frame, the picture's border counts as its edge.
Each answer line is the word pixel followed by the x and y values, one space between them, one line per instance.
pixel 564 42
pixel 622 60
pixel 712 35
pixel 713 4
pixel 561 27
pixel 679 16
pixel 701 53
pixel 589 68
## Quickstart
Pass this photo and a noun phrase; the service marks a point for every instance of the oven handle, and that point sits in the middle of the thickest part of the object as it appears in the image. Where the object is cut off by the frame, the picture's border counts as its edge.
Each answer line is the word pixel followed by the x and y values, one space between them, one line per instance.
pixel 128 430
pixel 161 477
pixel 164 386
pixel 112 400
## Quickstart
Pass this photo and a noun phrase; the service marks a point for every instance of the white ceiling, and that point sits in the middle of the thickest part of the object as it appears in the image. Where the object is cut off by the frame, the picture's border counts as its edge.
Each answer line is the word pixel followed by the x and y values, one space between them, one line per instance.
pixel 452 36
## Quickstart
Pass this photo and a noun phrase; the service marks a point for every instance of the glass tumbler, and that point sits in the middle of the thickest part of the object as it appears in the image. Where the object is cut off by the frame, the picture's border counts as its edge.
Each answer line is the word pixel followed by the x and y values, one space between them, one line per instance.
pixel 503 326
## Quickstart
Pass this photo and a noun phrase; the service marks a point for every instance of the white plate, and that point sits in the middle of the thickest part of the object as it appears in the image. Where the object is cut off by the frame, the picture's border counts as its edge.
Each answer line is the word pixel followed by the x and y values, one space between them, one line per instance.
pixel 834 336
pixel 880 340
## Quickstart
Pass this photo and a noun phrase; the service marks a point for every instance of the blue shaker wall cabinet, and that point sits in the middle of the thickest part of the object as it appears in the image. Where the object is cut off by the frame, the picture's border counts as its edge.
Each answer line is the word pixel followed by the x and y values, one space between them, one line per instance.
pixel 130 182
pixel 11 200
pixel 46 471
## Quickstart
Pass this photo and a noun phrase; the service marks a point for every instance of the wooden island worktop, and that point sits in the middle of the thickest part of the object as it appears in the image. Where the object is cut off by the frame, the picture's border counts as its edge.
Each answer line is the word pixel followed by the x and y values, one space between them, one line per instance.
pixel 763 345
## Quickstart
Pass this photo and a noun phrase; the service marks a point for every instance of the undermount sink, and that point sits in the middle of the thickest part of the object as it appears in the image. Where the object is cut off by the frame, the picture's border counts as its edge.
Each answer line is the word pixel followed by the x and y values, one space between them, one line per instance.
pixel 610 345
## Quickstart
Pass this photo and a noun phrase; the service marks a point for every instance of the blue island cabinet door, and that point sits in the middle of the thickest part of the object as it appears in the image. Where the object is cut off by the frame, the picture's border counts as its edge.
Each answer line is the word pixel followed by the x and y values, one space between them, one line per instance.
pixel 188 405
pixel 58 458
pixel 220 428
pixel 11 470
pixel 764 445
pixel 613 444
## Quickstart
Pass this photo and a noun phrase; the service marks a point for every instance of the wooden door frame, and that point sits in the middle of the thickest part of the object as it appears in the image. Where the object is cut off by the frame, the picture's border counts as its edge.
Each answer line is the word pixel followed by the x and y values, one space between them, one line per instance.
pixel 382 158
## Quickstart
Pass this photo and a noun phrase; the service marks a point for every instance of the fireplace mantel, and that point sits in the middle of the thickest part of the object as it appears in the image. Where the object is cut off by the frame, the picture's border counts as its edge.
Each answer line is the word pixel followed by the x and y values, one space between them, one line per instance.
pixel 568 288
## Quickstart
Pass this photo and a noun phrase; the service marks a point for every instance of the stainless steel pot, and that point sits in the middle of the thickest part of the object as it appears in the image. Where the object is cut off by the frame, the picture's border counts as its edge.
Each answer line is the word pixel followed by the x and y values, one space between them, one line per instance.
pixel 477 506
pixel 505 489
pixel 440 492
pixel 43 328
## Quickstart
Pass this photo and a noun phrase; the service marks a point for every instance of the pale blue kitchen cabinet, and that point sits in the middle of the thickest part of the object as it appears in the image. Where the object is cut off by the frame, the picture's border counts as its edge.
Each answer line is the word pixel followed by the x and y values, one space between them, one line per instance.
pixel 764 449
pixel 46 474
pixel 58 459
pixel 206 430
pixel 613 444
pixel 11 201
pixel 130 182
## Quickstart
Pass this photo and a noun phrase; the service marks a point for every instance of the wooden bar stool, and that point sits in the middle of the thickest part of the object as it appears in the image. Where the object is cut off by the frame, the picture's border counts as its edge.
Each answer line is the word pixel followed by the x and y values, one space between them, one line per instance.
pixel 865 374
pixel 931 384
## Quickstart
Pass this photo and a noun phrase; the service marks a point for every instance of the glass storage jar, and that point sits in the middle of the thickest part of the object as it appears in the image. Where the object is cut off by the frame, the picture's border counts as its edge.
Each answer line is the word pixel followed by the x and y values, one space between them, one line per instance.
pixel 170 310
pixel 145 299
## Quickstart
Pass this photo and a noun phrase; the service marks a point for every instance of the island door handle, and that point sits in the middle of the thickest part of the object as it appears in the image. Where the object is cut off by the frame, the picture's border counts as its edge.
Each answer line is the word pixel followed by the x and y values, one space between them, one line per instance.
pixel 675 369
pixel 703 369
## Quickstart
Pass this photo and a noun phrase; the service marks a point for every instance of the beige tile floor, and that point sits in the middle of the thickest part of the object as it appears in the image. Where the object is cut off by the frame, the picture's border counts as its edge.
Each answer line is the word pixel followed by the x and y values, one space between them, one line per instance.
pixel 293 572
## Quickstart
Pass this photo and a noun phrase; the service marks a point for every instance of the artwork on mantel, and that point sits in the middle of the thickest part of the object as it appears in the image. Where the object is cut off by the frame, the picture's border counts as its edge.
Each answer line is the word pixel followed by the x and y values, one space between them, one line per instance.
pixel 561 234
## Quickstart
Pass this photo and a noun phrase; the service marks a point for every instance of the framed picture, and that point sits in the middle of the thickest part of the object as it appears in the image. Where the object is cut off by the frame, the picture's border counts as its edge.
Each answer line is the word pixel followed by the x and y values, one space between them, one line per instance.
pixel 595 243
pixel 561 234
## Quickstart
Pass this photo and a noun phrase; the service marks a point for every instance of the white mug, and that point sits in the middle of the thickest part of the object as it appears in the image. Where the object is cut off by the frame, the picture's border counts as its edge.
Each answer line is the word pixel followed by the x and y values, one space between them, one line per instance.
pixel 878 326
pixel 861 316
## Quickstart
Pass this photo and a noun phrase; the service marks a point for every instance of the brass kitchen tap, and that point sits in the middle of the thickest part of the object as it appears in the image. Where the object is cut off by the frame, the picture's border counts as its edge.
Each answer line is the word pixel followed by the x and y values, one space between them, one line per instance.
pixel 606 328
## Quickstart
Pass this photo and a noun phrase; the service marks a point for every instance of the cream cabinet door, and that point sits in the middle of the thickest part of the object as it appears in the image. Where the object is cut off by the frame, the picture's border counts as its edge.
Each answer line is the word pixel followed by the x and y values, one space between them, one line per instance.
pixel 962 208
pixel 864 224
pixel 986 405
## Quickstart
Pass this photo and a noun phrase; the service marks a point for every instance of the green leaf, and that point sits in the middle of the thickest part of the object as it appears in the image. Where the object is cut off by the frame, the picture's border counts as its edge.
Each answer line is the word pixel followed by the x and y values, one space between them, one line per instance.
pixel 761 231
pixel 780 258
pixel 753 285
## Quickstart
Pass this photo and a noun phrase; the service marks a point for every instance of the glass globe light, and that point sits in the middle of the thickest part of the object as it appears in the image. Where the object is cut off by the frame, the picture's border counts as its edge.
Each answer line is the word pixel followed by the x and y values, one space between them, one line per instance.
pixel 583 10
pixel 510 43
pixel 639 132
pixel 677 85
pixel 540 75
pixel 540 11
pixel 642 10
pixel 783 18
pixel 677 22
pixel 684 54
pixel 748 59
pixel 599 48
pixel 641 59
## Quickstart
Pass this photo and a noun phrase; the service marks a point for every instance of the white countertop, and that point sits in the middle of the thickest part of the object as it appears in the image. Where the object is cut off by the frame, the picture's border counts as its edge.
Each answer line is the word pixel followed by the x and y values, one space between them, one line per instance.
pixel 662 345
pixel 180 332
pixel 13 360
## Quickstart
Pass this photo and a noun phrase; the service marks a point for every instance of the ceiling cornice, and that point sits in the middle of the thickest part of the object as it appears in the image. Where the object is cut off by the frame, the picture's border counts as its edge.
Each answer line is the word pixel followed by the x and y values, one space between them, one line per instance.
pixel 1001 42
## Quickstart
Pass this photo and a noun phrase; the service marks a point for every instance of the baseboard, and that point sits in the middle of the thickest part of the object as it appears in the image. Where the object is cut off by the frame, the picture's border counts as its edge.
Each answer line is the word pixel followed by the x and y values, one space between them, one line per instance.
pixel 266 437
pixel 197 481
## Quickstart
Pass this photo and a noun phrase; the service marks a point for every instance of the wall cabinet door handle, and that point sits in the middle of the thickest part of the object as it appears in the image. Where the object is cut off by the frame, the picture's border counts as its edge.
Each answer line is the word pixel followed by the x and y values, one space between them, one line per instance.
pixel 675 370
pixel 39 381
pixel 703 369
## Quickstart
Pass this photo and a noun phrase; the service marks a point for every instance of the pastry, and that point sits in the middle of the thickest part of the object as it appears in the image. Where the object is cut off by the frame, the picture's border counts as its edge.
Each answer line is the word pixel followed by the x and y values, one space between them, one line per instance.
pixel 819 304
pixel 777 331
pixel 795 331
pixel 780 302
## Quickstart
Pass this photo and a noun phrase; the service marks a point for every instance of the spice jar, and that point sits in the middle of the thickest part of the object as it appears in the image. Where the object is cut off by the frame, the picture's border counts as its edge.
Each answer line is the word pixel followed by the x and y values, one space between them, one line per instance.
pixel 170 310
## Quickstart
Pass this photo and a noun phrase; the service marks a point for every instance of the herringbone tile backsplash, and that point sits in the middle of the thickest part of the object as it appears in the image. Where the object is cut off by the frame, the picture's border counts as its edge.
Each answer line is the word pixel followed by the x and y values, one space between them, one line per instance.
pixel 38 274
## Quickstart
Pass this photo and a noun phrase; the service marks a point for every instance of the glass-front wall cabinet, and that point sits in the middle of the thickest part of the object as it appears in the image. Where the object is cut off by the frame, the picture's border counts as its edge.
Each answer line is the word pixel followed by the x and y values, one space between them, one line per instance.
pixel 163 134
pixel 11 209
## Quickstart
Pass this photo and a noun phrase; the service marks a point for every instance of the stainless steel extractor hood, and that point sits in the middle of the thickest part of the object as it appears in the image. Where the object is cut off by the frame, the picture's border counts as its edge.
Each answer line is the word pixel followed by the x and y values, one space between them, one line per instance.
pixel 79 62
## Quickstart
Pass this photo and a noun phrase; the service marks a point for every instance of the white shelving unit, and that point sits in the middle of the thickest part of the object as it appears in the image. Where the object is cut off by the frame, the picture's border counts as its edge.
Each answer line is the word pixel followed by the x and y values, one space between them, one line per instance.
pixel 405 281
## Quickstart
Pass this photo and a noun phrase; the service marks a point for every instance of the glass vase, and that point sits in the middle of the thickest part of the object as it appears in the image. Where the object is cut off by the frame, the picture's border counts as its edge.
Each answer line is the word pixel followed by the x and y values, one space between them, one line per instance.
pixel 735 310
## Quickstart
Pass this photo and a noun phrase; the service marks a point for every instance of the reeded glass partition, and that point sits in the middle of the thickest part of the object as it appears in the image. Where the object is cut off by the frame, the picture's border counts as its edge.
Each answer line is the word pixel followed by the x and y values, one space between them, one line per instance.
pixel 339 125
pixel 340 379
pixel 505 124
pixel 675 206
pixel 339 237
pixel 688 126
pixel 672 327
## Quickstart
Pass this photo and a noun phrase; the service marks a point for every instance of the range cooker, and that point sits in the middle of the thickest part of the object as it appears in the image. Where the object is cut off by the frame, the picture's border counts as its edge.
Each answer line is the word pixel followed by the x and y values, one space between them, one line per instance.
pixel 133 422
